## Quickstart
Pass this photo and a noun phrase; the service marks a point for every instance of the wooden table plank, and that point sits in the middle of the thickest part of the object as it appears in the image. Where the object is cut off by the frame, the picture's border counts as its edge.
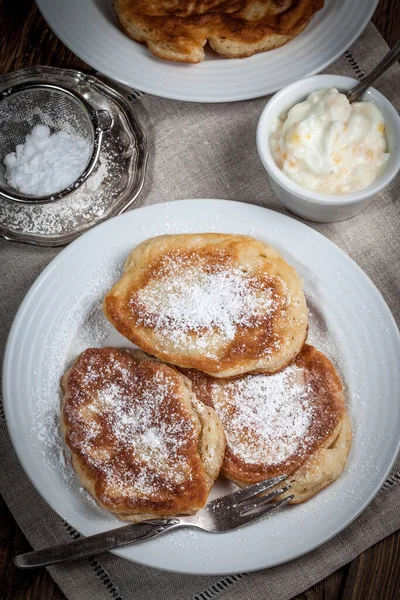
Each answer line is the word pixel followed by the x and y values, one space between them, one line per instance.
pixel 27 40
pixel 387 20
pixel 375 574
pixel 14 583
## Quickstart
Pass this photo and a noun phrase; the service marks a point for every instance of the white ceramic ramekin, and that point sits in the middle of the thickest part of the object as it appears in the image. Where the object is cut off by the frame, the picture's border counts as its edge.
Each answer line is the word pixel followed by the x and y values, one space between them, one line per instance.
pixel 311 205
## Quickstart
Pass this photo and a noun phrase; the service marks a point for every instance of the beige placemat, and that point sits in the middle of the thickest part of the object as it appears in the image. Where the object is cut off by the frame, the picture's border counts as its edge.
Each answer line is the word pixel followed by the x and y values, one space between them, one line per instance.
pixel 206 150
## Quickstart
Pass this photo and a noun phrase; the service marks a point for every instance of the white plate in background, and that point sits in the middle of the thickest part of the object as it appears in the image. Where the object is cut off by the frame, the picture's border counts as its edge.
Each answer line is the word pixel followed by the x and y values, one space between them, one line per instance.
pixel 89 28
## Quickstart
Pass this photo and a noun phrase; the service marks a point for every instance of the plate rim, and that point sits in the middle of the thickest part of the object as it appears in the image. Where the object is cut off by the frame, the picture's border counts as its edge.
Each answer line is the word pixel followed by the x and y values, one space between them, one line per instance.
pixel 148 89
pixel 64 252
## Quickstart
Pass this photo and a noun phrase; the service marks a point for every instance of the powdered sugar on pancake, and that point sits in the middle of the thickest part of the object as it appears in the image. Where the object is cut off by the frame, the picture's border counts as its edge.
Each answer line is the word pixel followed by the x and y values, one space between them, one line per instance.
pixel 128 427
pixel 266 417
pixel 195 304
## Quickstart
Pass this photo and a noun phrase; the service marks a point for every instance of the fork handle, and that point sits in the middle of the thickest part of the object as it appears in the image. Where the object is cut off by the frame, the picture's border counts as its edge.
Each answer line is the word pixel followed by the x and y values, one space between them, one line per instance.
pixel 95 544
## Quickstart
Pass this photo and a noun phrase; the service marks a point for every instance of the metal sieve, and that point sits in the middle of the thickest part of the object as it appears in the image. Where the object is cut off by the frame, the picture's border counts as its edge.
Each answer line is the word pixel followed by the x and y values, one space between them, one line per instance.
pixel 25 105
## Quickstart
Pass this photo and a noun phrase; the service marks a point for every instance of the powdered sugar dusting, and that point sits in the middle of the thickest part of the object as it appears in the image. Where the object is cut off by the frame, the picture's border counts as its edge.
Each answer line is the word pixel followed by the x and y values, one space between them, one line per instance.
pixel 122 431
pixel 266 417
pixel 187 299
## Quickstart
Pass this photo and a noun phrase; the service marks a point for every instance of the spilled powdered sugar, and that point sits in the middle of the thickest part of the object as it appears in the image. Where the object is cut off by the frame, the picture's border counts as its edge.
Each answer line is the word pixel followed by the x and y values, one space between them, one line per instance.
pixel 185 300
pixel 83 325
pixel 266 417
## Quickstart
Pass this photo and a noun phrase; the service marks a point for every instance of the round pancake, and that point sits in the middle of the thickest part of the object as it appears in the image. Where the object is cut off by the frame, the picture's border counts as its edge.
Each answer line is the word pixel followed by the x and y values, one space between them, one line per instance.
pixel 291 423
pixel 141 443
pixel 220 303
pixel 178 30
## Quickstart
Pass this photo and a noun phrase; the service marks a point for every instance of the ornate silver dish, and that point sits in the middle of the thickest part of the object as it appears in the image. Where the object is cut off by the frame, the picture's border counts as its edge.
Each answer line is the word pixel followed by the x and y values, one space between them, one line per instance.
pixel 112 187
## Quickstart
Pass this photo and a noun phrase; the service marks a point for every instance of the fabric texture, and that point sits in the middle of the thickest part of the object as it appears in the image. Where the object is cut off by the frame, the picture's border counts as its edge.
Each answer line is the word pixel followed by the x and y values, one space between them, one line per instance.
pixel 209 151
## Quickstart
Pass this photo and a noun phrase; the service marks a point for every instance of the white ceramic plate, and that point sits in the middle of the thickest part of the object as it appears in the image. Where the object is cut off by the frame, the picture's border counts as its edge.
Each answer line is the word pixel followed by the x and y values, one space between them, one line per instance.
pixel 61 315
pixel 90 30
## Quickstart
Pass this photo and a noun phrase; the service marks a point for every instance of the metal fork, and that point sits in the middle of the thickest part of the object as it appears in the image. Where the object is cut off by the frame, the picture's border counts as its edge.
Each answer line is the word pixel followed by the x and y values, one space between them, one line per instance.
pixel 222 514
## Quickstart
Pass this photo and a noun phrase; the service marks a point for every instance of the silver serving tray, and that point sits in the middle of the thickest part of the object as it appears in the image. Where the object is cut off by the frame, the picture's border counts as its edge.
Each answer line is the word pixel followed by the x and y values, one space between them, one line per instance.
pixel 115 183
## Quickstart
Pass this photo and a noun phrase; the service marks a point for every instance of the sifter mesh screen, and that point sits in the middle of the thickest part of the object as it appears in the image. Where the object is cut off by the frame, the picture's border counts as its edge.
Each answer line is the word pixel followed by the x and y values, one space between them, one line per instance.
pixel 22 110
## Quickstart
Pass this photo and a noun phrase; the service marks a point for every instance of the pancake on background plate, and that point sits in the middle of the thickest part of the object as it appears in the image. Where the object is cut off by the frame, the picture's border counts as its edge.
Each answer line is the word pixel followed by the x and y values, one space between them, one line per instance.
pixel 224 304
pixel 293 422
pixel 178 30
pixel 141 443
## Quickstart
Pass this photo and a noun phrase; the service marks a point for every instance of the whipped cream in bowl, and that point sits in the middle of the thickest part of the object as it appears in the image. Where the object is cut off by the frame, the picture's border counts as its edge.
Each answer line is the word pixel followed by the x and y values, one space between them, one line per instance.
pixel 329 145
pixel 326 158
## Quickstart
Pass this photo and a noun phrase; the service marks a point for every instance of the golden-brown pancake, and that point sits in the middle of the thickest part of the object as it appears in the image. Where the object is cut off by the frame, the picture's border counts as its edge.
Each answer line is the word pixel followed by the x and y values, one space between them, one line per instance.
pixel 291 423
pixel 224 304
pixel 140 441
pixel 178 30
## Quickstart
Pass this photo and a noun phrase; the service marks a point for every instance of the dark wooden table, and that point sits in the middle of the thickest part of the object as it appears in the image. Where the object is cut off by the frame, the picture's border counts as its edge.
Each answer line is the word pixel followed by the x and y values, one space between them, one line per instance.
pixel 375 574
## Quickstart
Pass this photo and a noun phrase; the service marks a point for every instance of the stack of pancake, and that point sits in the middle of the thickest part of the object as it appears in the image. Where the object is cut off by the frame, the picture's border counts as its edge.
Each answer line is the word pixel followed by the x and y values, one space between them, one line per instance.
pixel 227 385
pixel 178 30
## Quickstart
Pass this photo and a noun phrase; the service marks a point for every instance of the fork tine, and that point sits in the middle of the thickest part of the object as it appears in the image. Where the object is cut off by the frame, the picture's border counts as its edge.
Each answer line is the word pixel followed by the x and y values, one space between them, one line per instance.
pixel 235 498
pixel 262 511
pixel 253 504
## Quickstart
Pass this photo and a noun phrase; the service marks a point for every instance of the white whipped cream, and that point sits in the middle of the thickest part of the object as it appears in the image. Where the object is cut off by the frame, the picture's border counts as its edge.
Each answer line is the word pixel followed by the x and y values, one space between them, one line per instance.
pixel 328 145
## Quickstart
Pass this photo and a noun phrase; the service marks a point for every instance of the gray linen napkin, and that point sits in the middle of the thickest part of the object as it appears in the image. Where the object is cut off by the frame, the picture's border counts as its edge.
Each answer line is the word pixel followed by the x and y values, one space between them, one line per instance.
pixel 201 150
